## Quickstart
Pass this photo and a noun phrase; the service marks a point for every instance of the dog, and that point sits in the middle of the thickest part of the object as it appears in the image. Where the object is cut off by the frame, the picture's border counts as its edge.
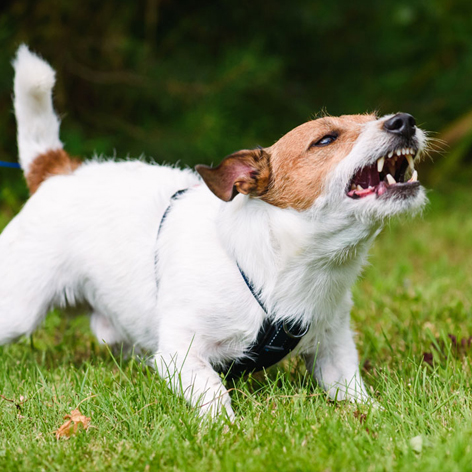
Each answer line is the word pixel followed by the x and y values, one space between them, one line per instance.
pixel 271 238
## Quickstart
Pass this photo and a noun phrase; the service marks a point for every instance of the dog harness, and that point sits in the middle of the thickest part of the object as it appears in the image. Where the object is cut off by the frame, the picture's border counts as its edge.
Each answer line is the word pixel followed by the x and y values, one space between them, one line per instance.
pixel 275 340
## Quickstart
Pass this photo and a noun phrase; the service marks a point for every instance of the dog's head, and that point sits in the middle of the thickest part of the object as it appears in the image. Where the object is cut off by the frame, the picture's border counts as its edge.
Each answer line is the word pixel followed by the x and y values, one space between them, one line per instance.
pixel 362 163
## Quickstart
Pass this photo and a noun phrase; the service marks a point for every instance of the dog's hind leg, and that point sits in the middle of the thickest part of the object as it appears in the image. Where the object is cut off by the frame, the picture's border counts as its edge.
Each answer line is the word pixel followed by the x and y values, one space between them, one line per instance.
pixel 28 284
pixel 106 333
pixel 103 329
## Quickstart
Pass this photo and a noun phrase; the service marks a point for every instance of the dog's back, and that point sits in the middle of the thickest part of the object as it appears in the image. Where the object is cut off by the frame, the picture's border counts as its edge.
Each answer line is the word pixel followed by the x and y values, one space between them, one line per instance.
pixel 84 226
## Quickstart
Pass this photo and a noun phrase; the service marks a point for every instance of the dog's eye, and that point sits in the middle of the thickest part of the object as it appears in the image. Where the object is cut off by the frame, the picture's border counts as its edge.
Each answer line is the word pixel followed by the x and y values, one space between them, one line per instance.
pixel 325 140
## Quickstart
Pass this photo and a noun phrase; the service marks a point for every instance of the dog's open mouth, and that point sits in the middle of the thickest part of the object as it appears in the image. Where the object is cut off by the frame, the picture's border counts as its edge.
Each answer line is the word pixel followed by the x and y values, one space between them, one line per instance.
pixel 386 175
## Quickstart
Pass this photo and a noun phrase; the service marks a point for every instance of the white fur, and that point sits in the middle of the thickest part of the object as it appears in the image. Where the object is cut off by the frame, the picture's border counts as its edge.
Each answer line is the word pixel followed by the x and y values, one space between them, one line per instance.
pixel 92 236
pixel 38 125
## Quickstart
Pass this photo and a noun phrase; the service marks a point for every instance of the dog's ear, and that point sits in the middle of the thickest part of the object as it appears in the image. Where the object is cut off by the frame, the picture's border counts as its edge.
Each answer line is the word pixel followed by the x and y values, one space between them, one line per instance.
pixel 246 172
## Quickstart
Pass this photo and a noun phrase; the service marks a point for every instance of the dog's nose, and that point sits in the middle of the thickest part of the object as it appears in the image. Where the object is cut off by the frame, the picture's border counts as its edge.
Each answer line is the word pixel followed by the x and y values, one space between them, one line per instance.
pixel 401 123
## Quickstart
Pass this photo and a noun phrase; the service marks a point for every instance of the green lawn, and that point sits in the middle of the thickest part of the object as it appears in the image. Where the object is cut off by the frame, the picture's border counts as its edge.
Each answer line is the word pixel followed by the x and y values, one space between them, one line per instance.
pixel 412 311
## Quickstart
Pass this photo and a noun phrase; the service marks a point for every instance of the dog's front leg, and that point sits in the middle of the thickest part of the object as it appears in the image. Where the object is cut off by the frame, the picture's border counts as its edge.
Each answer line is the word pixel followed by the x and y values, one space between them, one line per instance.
pixel 334 363
pixel 189 375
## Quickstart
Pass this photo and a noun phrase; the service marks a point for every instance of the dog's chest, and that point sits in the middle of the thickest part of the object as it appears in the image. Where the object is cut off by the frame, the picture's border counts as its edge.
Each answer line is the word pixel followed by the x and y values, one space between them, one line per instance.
pixel 202 292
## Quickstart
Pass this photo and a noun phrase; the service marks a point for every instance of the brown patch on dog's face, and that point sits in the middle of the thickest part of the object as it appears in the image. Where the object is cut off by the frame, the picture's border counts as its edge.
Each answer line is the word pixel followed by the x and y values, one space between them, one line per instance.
pixel 292 172
pixel 50 163
pixel 302 160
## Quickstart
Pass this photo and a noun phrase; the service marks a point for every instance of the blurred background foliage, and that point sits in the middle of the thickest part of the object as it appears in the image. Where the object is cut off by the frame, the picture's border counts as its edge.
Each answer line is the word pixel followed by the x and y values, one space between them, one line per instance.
pixel 194 81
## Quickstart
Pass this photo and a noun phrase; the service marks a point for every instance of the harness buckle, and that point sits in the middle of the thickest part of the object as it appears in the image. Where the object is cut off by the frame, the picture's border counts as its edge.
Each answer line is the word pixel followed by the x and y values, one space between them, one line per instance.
pixel 292 335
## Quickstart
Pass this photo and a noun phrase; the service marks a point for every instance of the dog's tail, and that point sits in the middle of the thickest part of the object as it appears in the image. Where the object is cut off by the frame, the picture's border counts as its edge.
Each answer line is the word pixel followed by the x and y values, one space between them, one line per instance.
pixel 40 149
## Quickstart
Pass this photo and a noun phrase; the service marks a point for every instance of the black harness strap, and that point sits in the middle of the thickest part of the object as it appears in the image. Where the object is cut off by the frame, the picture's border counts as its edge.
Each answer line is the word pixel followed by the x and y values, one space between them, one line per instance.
pixel 164 216
pixel 275 339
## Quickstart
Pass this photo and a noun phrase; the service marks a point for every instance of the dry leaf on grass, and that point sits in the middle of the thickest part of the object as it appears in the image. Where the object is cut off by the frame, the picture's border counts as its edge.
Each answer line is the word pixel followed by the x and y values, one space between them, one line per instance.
pixel 71 426
pixel 360 416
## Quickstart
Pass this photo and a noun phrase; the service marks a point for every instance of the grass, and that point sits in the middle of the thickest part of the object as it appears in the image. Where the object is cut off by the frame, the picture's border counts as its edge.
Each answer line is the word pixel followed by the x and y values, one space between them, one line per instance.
pixel 412 310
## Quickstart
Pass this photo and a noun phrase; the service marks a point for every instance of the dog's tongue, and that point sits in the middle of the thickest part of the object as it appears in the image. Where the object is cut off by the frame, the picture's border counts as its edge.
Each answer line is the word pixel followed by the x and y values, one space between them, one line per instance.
pixel 367 177
pixel 381 189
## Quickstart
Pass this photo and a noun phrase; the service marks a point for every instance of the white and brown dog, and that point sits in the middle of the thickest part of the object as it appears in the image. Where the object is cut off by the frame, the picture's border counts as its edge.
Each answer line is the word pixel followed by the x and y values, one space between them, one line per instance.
pixel 297 218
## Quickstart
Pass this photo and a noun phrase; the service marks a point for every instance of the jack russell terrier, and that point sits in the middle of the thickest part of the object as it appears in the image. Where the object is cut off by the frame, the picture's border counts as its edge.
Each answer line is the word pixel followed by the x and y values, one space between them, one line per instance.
pixel 253 262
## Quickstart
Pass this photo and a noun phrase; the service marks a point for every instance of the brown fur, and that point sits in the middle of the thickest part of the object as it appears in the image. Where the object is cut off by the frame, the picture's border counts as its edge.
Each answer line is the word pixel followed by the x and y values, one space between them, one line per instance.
pixel 246 172
pixel 50 163
pixel 298 170
pixel 292 172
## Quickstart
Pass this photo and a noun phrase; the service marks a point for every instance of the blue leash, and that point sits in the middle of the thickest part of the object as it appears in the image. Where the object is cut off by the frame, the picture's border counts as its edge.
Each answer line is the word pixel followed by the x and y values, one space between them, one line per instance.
pixel 11 165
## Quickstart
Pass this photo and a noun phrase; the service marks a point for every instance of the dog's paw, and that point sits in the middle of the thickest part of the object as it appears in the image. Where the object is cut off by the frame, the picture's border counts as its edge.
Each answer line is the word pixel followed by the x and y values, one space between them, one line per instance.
pixel 216 411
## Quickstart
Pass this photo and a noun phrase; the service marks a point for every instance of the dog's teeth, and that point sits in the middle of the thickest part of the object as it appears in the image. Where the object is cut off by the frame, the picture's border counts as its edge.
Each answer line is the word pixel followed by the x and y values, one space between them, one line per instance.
pixel 410 161
pixel 399 152
pixel 353 186
pixel 390 154
pixel 380 164
pixel 414 177
pixel 404 151
pixel 391 180
pixel 359 188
